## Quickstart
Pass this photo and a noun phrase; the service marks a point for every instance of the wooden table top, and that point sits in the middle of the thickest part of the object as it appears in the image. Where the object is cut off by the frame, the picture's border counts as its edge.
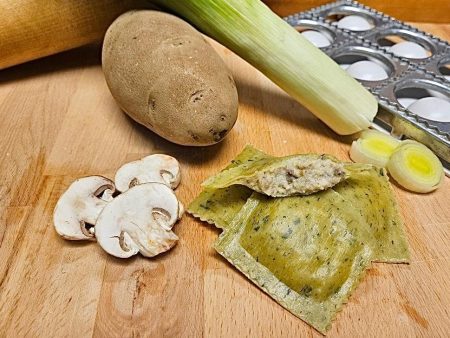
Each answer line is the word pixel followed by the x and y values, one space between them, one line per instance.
pixel 59 122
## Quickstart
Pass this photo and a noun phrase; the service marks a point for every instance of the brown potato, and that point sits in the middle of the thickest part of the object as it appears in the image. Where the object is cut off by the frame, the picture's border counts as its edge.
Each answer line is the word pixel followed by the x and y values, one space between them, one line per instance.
pixel 165 75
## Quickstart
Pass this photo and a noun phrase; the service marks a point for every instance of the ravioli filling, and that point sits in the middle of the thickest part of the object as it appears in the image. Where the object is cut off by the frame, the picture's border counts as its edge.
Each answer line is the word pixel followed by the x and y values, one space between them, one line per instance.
pixel 283 176
pixel 299 175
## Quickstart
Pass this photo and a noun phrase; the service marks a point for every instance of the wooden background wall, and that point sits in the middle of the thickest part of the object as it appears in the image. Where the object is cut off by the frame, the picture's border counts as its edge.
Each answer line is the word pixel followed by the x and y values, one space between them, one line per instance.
pixel 437 11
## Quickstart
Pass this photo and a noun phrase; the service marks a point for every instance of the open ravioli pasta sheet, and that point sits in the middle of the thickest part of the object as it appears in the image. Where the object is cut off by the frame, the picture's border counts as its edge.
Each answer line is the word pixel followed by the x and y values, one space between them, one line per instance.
pixel 307 252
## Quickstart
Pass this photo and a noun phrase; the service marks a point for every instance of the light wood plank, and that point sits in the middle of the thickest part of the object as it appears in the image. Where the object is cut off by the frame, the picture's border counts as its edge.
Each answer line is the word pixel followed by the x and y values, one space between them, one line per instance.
pixel 60 122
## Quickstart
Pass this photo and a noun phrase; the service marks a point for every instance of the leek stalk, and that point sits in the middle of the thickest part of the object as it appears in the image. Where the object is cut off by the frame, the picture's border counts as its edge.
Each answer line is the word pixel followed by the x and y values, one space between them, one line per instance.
pixel 254 32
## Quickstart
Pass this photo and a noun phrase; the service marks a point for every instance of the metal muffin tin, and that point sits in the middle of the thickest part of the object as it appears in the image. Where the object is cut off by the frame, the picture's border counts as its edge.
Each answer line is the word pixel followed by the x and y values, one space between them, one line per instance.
pixel 415 75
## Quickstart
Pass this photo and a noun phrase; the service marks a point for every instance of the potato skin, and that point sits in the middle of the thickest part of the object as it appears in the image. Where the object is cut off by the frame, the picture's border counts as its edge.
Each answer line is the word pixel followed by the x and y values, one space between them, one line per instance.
pixel 165 75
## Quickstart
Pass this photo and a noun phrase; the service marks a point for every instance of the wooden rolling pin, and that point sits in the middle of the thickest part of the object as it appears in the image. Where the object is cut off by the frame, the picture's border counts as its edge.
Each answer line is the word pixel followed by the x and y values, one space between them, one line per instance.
pixel 30 29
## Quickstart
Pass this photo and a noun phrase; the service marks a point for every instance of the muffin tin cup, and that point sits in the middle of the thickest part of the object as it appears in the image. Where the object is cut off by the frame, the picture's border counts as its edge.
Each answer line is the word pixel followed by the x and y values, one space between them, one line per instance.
pixel 425 74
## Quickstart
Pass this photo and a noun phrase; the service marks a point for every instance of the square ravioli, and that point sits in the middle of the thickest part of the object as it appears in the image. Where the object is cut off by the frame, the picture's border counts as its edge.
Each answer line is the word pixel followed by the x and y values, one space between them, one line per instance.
pixel 305 252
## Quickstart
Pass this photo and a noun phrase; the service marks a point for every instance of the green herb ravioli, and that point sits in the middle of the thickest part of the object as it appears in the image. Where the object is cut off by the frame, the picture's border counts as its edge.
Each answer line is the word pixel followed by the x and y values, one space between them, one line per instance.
pixel 308 262
pixel 368 191
pixel 307 252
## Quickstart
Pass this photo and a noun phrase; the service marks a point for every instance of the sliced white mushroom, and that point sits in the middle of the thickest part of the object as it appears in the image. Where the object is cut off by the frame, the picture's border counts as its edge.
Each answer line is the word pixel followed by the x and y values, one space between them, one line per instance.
pixel 108 195
pixel 158 168
pixel 80 205
pixel 139 220
pixel 180 210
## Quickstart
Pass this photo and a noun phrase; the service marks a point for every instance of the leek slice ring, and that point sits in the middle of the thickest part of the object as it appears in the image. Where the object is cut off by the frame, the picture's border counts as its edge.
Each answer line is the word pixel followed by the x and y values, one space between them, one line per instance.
pixel 373 147
pixel 415 167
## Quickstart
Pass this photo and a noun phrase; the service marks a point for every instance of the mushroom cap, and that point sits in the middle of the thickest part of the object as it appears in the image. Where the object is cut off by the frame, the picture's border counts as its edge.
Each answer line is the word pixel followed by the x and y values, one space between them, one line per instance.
pixel 79 205
pixel 158 168
pixel 139 220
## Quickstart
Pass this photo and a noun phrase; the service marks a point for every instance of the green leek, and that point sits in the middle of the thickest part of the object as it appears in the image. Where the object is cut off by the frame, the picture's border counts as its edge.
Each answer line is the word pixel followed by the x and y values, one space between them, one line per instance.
pixel 254 32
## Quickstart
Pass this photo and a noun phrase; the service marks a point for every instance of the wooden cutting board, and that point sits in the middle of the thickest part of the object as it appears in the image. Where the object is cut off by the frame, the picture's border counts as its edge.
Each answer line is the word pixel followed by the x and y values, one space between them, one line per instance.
pixel 58 121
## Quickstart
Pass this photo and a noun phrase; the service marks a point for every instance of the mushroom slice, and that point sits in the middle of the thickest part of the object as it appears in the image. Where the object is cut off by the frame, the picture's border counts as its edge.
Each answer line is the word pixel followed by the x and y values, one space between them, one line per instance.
pixel 180 210
pixel 158 168
pixel 139 220
pixel 107 195
pixel 80 205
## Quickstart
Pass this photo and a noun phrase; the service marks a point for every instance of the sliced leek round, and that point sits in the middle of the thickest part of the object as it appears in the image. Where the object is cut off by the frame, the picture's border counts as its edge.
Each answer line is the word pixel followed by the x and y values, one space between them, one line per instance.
pixel 373 147
pixel 415 167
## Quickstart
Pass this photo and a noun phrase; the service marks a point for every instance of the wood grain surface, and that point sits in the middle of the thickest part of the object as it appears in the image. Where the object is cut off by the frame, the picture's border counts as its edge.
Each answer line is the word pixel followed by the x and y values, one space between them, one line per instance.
pixel 31 29
pixel 59 122
pixel 436 11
